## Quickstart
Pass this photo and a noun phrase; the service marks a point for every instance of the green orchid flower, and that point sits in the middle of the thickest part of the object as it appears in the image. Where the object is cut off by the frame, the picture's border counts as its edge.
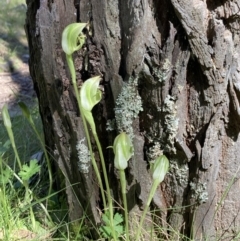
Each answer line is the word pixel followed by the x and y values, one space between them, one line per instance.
pixel 90 95
pixel 160 168
pixel 123 150
pixel 73 38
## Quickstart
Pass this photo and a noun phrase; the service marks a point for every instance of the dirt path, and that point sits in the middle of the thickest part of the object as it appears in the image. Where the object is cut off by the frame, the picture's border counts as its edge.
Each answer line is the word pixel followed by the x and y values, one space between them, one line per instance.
pixel 15 83
pixel 15 87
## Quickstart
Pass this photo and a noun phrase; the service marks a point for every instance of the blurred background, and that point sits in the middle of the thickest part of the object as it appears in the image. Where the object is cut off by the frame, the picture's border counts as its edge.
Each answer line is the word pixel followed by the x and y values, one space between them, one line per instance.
pixel 15 82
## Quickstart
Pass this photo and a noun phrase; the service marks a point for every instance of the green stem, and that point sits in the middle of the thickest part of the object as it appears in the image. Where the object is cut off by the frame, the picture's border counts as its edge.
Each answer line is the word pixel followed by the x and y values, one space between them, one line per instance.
pixel 11 137
pixel 123 189
pixel 12 140
pixel 95 167
pixel 29 118
pixel 31 193
pixel 109 197
pixel 73 75
pixel 47 158
pixel 150 197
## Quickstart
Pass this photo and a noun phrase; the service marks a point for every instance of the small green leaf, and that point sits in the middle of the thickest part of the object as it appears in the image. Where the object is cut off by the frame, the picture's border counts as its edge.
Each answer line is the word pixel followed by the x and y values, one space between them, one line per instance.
pixel 160 168
pixel 73 38
pixel 105 218
pixel 123 150
pixel 6 176
pixel 117 219
pixel 118 227
pixel 28 171
pixel 106 231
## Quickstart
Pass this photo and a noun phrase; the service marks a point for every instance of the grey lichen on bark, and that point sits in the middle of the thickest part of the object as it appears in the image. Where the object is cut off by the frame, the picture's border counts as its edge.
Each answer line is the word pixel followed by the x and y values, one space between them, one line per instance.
pixel 128 106
pixel 170 124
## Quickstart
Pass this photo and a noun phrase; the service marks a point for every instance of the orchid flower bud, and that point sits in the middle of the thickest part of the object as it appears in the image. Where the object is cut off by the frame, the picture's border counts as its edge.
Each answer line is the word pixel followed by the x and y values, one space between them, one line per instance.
pixel 160 168
pixel 123 150
pixel 90 95
pixel 73 38
pixel 6 117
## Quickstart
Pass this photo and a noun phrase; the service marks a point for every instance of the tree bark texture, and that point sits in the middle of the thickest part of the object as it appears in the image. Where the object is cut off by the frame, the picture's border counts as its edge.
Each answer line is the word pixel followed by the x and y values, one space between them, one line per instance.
pixel 181 58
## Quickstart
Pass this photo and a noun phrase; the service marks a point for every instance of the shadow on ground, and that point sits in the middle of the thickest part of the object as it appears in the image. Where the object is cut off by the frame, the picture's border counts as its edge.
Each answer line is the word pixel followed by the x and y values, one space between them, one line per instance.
pixel 15 82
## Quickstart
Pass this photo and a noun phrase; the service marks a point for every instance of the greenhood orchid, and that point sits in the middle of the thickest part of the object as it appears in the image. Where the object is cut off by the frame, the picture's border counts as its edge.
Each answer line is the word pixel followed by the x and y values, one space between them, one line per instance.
pixel 73 38
pixel 90 95
pixel 160 168
pixel 123 150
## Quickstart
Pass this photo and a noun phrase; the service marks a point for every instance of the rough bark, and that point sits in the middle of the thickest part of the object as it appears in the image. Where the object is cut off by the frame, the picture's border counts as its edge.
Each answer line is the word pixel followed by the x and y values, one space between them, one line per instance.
pixel 183 56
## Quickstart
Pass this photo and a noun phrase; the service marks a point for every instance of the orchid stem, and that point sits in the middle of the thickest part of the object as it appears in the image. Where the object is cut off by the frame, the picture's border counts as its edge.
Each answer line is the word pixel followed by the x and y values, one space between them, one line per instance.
pixel 150 197
pixel 109 197
pixel 95 167
pixel 123 189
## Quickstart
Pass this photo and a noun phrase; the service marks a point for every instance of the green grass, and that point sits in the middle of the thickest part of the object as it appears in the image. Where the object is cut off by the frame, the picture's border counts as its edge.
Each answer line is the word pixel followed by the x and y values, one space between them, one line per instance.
pixel 13 43
pixel 26 141
pixel 23 211
pixel 28 211
pixel 12 195
pixel 26 208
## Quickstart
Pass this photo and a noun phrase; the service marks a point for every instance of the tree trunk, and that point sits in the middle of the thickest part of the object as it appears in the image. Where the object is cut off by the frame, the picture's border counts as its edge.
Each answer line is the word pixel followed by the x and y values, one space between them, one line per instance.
pixel 178 61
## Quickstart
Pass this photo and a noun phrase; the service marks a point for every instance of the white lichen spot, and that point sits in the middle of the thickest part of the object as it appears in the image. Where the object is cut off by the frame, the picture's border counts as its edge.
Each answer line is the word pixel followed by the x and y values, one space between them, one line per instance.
pixel 170 123
pixel 180 88
pixel 128 106
pixel 180 172
pixel 154 152
pixel 83 157
pixel 199 191
pixel 111 125
pixel 164 72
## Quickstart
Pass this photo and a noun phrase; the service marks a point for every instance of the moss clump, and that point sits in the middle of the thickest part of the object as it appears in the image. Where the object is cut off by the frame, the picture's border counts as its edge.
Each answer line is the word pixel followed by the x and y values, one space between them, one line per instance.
pixel 128 106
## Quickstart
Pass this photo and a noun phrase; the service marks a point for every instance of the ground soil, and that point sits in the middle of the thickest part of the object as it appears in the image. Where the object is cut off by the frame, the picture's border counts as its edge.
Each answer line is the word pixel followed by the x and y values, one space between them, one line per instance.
pixel 15 82
pixel 14 87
